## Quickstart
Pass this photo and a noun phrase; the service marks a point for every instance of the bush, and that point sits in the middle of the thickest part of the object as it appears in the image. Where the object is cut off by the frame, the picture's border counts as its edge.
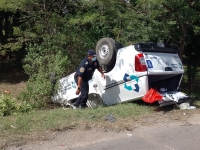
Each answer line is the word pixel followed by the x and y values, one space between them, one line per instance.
pixel 9 105
pixel 43 59
pixel 38 92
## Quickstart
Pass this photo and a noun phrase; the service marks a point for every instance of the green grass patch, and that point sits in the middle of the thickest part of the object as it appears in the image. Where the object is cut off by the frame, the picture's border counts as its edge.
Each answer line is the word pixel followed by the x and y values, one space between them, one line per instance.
pixel 59 119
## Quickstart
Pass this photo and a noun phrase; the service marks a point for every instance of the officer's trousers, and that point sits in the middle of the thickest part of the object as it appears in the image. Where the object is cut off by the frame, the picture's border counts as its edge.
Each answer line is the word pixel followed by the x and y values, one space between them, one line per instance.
pixel 82 99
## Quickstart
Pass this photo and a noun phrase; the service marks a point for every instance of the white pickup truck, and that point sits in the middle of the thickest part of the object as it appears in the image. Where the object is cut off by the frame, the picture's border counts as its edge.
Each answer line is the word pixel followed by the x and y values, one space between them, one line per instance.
pixel 130 72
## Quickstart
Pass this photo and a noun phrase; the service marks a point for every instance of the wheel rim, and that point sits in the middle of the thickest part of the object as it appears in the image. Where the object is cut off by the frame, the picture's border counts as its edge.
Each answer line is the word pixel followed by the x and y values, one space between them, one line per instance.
pixel 104 50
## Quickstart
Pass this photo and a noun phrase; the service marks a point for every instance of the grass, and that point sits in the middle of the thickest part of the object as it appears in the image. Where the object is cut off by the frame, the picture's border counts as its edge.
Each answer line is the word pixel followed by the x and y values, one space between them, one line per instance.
pixel 42 124
pixel 15 127
pixel 59 118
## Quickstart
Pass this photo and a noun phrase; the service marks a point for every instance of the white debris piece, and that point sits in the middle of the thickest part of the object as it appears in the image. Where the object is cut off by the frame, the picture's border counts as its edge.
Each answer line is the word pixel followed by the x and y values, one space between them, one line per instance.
pixel 184 106
pixel 173 96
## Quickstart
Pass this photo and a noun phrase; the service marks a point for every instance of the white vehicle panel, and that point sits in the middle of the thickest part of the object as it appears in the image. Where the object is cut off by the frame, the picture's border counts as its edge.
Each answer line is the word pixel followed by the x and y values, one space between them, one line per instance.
pixel 161 63
pixel 124 66
pixel 126 91
pixel 67 89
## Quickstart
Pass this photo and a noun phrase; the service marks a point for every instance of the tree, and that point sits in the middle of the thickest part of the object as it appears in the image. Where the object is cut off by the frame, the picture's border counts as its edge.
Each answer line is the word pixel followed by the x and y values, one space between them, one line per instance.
pixel 11 41
pixel 191 59
pixel 174 17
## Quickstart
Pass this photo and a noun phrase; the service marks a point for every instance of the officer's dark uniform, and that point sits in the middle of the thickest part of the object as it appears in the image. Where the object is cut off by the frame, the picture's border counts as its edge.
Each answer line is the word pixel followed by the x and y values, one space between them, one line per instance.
pixel 85 70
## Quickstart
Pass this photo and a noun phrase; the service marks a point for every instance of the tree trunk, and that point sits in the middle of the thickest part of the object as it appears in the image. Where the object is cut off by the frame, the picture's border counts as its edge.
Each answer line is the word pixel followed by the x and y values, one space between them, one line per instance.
pixel 182 41
pixel 189 76
pixel 8 25
pixel 1 29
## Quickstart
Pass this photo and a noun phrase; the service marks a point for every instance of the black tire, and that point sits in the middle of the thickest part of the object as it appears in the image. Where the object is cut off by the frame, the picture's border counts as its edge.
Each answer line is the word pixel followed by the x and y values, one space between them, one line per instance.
pixel 108 68
pixel 106 51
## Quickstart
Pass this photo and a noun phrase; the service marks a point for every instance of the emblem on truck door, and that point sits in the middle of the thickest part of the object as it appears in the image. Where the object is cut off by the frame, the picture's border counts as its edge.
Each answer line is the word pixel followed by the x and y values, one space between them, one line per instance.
pixel 130 87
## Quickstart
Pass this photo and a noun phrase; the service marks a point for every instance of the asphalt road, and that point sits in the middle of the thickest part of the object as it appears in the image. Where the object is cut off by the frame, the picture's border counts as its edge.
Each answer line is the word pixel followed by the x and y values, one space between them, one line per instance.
pixel 159 138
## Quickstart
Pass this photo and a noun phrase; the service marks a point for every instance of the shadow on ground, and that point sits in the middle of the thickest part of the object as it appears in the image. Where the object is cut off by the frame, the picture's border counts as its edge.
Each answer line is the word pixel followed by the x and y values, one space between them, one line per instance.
pixel 13 78
pixel 156 107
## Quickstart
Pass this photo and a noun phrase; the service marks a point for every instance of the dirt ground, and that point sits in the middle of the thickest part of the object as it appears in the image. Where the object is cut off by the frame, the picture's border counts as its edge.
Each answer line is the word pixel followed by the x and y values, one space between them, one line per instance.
pixel 12 83
pixel 71 139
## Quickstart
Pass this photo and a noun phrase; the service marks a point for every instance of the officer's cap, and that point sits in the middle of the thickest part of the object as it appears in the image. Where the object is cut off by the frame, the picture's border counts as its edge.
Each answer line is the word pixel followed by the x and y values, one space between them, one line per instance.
pixel 91 52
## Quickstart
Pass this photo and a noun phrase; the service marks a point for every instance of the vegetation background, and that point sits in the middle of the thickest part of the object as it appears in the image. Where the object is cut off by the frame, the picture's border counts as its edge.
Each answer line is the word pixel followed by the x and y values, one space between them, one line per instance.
pixel 40 39
pixel 44 38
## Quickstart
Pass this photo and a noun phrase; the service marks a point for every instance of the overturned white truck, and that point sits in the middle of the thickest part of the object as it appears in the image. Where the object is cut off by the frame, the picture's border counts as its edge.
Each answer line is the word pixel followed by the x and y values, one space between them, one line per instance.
pixel 130 72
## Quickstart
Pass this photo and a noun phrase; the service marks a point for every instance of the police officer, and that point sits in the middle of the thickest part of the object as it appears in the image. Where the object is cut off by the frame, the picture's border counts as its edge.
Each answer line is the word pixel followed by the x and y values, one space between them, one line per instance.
pixel 83 74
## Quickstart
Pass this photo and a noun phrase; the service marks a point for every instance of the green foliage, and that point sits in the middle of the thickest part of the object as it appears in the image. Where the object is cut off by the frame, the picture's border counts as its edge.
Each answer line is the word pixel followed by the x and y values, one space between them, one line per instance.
pixel 38 92
pixel 55 35
pixel 12 39
pixel 9 105
pixel 43 59
pixel 191 59
pixel 11 5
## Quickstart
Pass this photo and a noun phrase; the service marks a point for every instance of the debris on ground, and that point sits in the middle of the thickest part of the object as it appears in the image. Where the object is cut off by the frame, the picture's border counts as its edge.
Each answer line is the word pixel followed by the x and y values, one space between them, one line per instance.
pixel 110 118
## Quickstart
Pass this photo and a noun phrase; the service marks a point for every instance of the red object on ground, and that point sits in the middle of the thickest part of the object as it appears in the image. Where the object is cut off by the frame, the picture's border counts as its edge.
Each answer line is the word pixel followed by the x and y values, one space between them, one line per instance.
pixel 152 96
pixel 6 92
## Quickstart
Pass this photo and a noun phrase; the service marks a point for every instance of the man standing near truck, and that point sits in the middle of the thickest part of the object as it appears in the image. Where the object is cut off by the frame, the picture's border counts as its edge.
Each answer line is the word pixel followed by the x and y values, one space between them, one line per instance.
pixel 83 74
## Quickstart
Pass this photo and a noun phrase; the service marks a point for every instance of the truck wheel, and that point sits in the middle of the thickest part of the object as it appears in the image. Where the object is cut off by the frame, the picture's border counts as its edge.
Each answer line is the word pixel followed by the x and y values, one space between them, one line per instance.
pixel 108 68
pixel 106 51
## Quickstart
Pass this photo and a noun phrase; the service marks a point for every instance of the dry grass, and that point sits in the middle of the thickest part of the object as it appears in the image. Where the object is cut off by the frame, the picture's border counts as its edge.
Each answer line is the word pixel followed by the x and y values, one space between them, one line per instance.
pixel 12 83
